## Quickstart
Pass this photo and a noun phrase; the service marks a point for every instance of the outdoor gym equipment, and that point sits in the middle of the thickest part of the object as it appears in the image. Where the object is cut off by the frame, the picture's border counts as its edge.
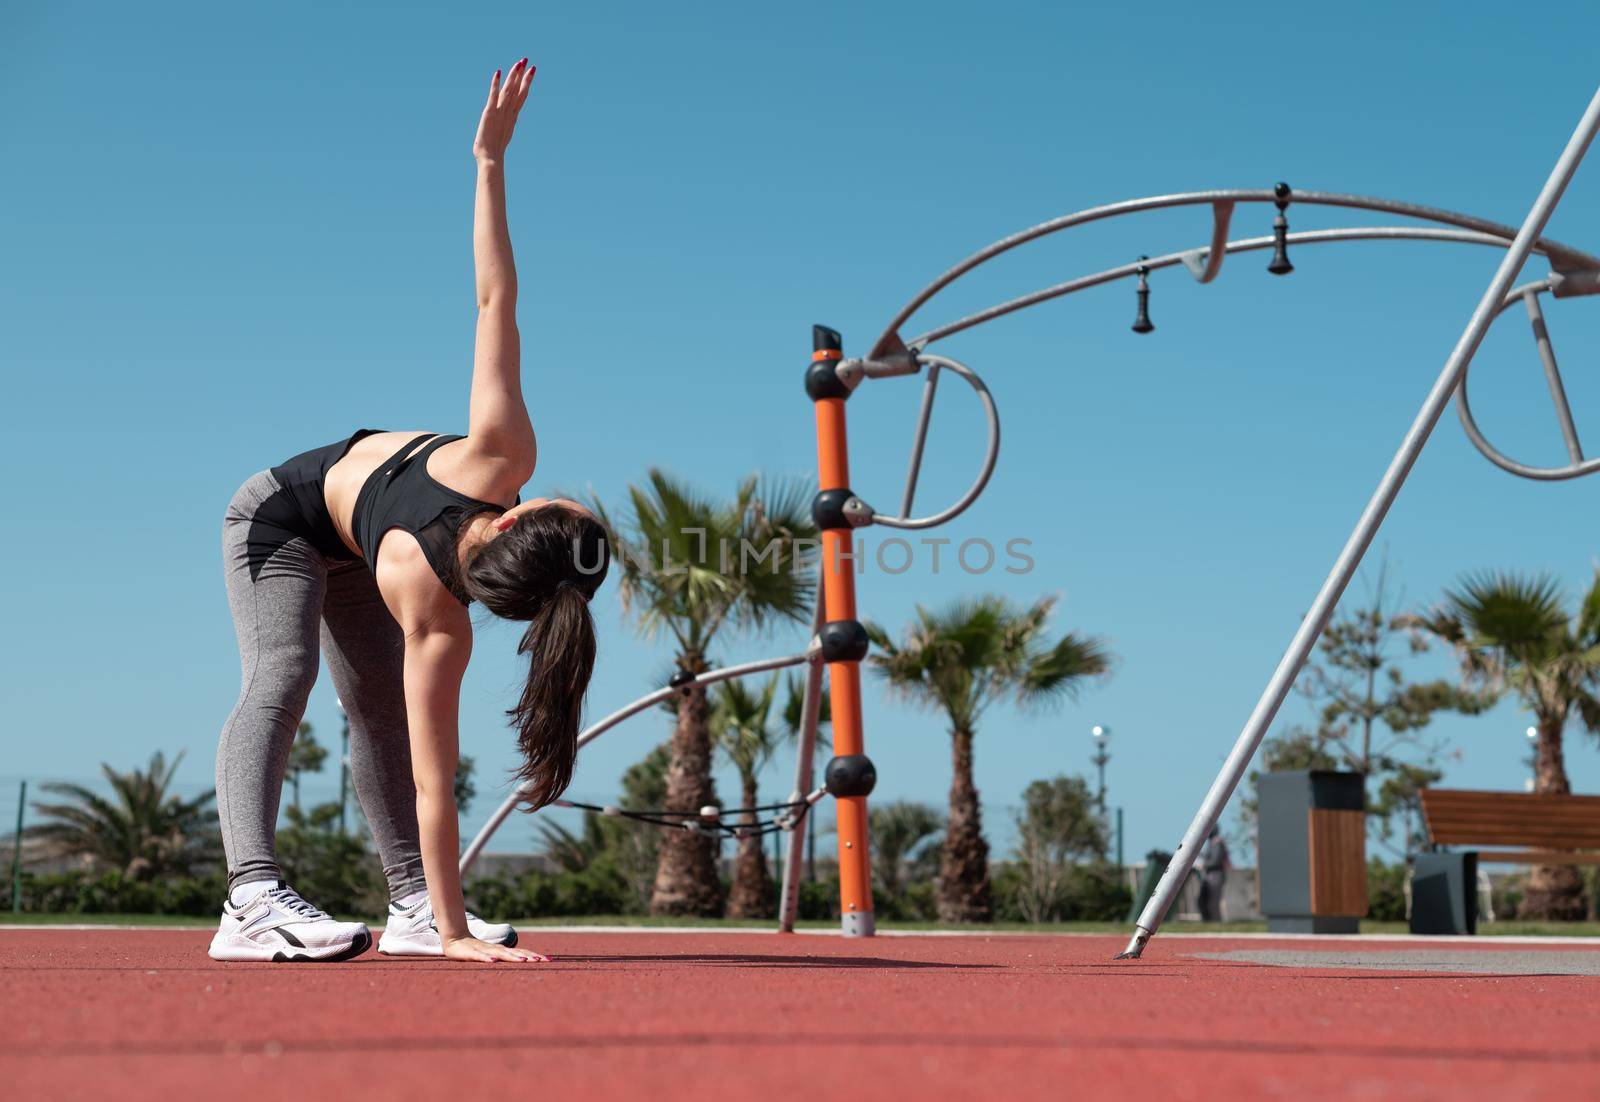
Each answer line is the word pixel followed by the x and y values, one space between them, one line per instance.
pixel 839 642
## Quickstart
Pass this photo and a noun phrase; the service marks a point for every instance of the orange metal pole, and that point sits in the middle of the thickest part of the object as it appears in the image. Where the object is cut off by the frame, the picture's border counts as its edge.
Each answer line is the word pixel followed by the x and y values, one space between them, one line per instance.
pixel 843 661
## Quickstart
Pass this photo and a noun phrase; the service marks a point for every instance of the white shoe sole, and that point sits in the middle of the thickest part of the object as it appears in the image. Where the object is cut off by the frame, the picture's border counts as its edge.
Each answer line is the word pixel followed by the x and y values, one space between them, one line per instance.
pixel 423 945
pixel 410 945
pixel 234 948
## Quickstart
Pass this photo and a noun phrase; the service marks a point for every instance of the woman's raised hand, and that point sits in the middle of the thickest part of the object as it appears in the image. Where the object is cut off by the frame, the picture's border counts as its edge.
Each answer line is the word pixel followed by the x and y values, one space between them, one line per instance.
pixel 500 113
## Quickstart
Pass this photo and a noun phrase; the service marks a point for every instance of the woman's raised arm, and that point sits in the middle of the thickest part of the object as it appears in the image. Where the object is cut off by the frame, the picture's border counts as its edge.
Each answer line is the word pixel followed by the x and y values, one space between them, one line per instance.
pixel 498 424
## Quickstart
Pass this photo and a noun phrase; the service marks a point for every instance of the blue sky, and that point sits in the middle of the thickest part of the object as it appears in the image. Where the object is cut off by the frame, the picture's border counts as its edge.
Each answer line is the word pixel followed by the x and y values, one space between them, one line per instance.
pixel 232 234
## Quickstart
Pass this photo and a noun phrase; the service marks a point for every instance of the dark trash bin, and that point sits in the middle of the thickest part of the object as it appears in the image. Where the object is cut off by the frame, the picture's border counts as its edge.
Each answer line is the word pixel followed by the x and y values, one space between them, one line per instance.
pixel 1155 865
pixel 1444 893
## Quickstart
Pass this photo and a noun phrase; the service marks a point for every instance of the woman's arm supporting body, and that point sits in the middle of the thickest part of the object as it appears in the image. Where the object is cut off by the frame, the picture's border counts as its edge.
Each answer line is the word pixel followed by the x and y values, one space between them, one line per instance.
pixel 438 643
pixel 499 430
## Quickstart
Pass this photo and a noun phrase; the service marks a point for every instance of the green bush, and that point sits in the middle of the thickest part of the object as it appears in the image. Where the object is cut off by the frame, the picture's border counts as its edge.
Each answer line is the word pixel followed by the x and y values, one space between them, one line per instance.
pixel 1386 891
pixel 599 889
pixel 1005 880
pixel 1096 893
pixel 83 892
pixel 920 901
pixel 334 871
pixel 1090 893
pixel 819 899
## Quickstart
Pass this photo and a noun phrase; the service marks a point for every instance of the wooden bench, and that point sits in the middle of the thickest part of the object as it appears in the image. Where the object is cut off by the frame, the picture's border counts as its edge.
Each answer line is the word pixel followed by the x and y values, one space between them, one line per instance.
pixel 1547 830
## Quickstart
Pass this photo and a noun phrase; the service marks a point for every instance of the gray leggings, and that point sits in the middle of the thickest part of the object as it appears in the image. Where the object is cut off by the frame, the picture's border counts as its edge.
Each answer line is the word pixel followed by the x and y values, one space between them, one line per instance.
pixel 294 596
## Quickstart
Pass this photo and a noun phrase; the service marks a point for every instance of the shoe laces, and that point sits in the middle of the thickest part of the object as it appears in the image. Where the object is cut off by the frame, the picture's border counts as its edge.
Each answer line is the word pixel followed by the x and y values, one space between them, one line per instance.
pixel 289 900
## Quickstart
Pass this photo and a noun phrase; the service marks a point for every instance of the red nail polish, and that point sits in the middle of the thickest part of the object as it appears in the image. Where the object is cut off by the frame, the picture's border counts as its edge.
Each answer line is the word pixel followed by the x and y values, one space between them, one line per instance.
pixel 524 61
pixel 497 74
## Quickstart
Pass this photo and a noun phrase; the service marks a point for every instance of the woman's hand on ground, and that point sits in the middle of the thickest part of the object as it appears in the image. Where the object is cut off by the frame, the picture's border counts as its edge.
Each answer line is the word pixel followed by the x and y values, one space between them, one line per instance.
pixel 500 113
pixel 470 948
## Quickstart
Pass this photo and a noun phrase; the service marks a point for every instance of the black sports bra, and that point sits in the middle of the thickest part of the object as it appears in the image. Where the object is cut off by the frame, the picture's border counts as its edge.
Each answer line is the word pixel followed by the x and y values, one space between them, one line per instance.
pixel 401 494
pixel 299 507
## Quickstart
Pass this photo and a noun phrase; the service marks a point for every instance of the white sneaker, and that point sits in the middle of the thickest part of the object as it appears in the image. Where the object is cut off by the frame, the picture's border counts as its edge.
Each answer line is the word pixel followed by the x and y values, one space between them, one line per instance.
pixel 411 931
pixel 278 925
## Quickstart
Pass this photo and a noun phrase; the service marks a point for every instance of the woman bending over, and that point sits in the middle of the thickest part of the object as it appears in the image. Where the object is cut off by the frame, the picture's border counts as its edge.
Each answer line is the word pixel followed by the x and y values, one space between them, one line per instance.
pixel 372 548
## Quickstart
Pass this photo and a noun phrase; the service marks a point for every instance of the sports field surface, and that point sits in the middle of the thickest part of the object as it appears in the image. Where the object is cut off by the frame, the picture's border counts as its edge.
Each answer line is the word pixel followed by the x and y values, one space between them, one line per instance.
pixel 670 1014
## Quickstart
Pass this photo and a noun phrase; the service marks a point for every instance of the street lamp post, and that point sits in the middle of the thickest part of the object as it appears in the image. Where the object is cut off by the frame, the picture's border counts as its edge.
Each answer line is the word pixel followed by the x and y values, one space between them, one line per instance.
pixel 1102 754
pixel 1532 782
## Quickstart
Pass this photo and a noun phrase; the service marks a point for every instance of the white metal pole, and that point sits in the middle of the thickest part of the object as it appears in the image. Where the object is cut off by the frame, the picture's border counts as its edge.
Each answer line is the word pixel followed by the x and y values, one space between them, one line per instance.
pixel 805 749
pixel 1355 547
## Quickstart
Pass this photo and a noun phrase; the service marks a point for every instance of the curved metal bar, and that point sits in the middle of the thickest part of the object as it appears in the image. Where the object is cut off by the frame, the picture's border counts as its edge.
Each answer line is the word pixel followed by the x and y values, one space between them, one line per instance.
pixel 1469 423
pixel 1561 256
pixel 1249 244
pixel 805 762
pixel 989 459
pixel 595 730
pixel 1204 264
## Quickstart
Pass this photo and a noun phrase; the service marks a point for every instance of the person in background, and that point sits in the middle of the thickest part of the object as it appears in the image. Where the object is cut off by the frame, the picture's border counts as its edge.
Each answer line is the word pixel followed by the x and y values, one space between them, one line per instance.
pixel 1214 867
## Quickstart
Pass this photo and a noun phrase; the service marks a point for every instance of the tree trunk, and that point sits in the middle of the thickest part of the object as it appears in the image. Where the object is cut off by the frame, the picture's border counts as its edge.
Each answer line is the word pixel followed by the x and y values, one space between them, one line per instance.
pixel 964 894
pixel 1555 892
pixel 687 882
pixel 752 895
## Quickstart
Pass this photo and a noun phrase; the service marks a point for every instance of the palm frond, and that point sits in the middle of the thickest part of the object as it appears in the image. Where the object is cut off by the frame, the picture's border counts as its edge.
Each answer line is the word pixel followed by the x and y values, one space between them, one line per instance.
pixel 1588 626
pixel 1059 672
pixel 140 829
pixel 1508 611
pixel 741 724
pixel 965 656
pixel 692 565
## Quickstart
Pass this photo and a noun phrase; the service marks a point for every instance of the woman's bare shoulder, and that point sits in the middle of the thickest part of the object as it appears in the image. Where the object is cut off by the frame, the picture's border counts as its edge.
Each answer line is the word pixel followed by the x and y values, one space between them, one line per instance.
pixel 466 470
pixel 411 589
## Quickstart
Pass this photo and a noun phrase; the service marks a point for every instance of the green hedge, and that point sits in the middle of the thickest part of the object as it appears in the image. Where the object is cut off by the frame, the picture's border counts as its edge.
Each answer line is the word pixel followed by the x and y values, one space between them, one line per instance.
pixel 344 882
pixel 1091 893
pixel 598 890
pixel 1386 891
pixel 113 893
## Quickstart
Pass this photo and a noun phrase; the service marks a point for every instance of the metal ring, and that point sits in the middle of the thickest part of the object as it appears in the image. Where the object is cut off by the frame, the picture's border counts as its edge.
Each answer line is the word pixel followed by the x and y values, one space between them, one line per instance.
pixel 1475 434
pixel 989 460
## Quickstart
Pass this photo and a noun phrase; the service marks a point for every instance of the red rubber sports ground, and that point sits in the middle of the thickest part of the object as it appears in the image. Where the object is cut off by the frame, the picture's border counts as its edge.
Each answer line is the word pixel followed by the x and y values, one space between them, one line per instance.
pixel 144 1014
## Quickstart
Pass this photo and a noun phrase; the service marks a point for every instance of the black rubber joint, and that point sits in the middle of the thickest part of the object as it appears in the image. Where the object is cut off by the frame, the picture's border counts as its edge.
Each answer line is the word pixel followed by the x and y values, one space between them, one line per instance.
pixel 822 377
pixel 827 509
pixel 843 641
pixel 851 775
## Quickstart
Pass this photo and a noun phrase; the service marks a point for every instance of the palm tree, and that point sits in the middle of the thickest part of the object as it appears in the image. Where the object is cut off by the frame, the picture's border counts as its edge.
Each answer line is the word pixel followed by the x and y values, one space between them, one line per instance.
pixel 139 830
pixel 742 729
pixel 900 831
pixel 690 567
pixel 959 661
pixel 571 852
pixel 1513 634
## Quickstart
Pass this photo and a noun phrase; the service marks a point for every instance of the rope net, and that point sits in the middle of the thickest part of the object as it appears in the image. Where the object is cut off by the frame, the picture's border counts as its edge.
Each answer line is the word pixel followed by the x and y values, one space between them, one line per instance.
pixel 710 821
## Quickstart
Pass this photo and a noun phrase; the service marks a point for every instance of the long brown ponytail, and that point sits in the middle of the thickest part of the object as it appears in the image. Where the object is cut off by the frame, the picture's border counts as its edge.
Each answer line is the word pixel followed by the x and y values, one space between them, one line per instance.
pixel 544 569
